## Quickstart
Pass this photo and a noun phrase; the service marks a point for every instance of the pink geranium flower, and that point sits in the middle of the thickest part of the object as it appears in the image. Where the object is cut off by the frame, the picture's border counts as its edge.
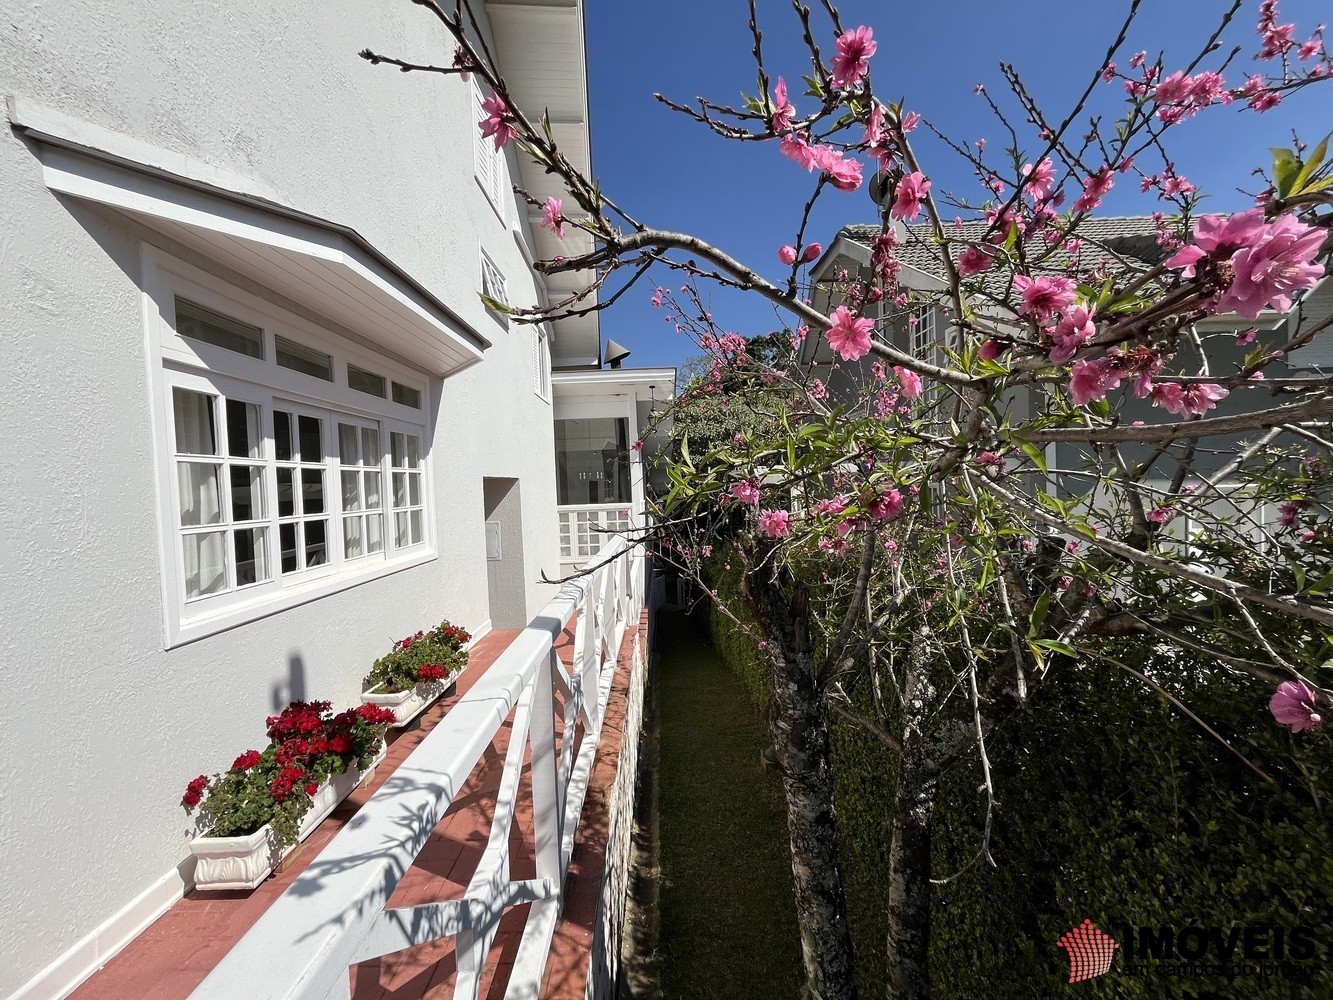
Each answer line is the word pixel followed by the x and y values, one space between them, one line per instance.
pixel 907 199
pixel 775 523
pixel 551 217
pixel 499 121
pixel 1293 705
pixel 852 61
pixel 1043 297
pixel 848 334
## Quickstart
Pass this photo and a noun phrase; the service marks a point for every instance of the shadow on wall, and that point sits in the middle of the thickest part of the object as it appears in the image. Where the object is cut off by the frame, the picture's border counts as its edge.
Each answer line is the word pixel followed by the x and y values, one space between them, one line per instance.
pixel 294 689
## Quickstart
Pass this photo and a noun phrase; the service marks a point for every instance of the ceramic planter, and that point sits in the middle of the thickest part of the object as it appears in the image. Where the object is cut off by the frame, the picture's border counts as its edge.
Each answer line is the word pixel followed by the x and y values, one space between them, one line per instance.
pixel 407 705
pixel 223 863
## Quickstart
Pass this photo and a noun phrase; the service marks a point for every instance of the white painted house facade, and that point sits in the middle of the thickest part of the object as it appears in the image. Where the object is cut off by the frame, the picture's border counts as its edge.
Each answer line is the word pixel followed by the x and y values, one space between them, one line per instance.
pixel 257 417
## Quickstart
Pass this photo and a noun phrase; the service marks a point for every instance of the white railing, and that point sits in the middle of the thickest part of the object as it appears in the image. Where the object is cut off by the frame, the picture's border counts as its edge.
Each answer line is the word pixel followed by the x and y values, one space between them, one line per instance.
pixel 334 914
pixel 584 528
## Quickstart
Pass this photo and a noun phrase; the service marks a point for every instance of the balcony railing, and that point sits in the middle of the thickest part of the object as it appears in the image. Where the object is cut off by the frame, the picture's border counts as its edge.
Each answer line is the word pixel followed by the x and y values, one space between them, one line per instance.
pixel 335 913
pixel 585 528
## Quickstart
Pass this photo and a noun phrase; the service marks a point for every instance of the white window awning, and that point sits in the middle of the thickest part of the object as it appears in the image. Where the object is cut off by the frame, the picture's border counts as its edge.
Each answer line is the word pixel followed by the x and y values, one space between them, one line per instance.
pixel 326 267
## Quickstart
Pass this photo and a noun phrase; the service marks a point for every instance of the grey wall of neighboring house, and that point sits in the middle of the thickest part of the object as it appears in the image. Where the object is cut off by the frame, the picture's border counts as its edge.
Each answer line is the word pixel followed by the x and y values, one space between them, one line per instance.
pixel 103 726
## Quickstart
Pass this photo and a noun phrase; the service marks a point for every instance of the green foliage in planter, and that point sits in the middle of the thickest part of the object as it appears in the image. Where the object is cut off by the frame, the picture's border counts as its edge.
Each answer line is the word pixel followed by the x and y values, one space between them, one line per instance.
pixel 401 669
pixel 241 800
pixel 1114 806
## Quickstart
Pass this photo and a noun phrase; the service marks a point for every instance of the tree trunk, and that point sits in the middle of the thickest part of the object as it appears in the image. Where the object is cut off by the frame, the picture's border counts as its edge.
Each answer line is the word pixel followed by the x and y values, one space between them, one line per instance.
pixel 798 724
pixel 909 851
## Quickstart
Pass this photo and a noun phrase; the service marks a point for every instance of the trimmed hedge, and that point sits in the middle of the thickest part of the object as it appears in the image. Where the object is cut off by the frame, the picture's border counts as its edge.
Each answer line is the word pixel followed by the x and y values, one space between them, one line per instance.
pixel 1115 807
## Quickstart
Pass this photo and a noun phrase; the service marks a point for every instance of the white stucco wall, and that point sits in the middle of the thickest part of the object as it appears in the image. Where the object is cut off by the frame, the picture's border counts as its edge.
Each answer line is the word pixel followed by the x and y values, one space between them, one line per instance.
pixel 102 727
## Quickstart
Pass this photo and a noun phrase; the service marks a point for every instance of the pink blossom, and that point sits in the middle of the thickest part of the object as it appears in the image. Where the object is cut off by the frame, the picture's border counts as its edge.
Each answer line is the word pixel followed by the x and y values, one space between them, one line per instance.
pixel 991 463
pixel 974 261
pixel 787 254
pixel 849 335
pixel 833 505
pixel 775 523
pixel 638 444
pixel 551 217
pixel 1192 400
pixel 888 504
pixel 989 350
pixel 875 127
pixel 794 147
pixel 854 49
pixel 844 173
pixel 1043 297
pixel 1293 705
pixel 1270 261
pixel 1309 48
pixel 910 121
pixel 1160 515
pixel 907 199
pixel 1040 179
pixel 499 121
pixel 1246 338
pixel 1073 331
pixel 1091 380
pixel 783 110
pixel 1289 514
pixel 1095 188
pixel 746 492
pixel 812 253
pixel 910 380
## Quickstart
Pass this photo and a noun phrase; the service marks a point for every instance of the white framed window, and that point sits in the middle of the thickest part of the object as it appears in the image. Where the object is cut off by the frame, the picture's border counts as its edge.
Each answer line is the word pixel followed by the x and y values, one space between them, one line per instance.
pixel 277 442
pixel 541 363
pixel 491 169
pixel 921 330
pixel 493 286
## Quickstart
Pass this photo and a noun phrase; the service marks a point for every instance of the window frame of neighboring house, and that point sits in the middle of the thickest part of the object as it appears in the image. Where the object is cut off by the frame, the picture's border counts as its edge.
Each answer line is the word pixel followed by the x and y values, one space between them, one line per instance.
pixel 493 287
pixel 489 164
pixel 250 395
pixel 921 334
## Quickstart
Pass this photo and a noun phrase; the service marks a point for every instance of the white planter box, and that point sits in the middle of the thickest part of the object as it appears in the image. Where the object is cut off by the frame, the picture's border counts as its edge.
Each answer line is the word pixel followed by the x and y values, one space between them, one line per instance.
pixel 407 705
pixel 243 862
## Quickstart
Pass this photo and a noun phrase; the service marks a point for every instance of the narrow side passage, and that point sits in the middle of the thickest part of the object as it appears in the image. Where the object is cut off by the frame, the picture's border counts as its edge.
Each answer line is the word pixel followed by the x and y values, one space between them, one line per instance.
pixel 728 927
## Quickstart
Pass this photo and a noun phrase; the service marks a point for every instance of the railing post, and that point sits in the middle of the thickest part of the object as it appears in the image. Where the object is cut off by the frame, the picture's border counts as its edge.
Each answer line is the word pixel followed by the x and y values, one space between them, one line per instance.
pixel 547 809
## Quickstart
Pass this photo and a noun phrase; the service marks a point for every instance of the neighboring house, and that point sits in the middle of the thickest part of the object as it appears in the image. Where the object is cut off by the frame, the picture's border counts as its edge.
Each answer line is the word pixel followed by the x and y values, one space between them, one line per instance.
pixel 1131 239
pixel 259 422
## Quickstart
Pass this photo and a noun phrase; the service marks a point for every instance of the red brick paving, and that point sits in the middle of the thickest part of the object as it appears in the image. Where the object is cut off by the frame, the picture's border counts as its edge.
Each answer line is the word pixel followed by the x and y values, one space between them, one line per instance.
pixel 172 956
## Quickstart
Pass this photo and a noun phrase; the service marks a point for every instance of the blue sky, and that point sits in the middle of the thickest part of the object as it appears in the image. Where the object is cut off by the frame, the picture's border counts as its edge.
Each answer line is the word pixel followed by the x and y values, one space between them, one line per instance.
pixel 747 198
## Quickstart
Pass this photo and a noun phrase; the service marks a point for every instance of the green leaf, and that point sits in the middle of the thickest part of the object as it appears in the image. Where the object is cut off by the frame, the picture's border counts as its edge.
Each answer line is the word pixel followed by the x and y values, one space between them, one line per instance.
pixel 1033 452
pixel 495 305
pixel 1315 161
pixel 1285 169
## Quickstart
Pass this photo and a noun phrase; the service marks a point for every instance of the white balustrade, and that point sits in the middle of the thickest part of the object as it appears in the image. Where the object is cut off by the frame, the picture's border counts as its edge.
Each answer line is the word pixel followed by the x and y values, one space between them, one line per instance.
pixel 334 914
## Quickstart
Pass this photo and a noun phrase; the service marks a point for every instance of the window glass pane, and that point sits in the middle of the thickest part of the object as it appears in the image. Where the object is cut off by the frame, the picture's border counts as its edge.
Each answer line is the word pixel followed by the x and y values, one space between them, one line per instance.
pixel 364 381
pixel 347 441
pixel 406 395
pixel 353 544
pixel 400 535
pixel 592 461
pixel 247 493
pixel 205 563
pixel 312 449
pixel 312 491
pixel 413 451
pixel 315 548
pixel 286 493
pixel 289 534
pixel 300 358
pixel 199 323
pixel 370 446
pixel 415 518
pixel 400 489
pixel 244 438
pixel 351 491
pixel 196 429
pixel 374 532
pixel 282 435
pixel 372 490
pixel 397 448
pixel 414 489
pixel 200 493
pixel 251 555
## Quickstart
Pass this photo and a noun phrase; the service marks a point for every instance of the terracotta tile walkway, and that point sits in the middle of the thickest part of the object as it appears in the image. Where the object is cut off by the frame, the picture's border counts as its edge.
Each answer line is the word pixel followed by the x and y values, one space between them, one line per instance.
pixel 169 959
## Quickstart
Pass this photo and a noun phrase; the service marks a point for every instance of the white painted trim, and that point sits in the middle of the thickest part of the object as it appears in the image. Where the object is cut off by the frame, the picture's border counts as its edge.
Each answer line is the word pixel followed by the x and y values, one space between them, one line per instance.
pixel 63 976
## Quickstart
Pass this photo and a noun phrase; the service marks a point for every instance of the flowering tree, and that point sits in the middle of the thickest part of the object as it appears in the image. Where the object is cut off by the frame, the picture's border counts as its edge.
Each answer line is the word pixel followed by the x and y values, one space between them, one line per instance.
pixel 931 538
